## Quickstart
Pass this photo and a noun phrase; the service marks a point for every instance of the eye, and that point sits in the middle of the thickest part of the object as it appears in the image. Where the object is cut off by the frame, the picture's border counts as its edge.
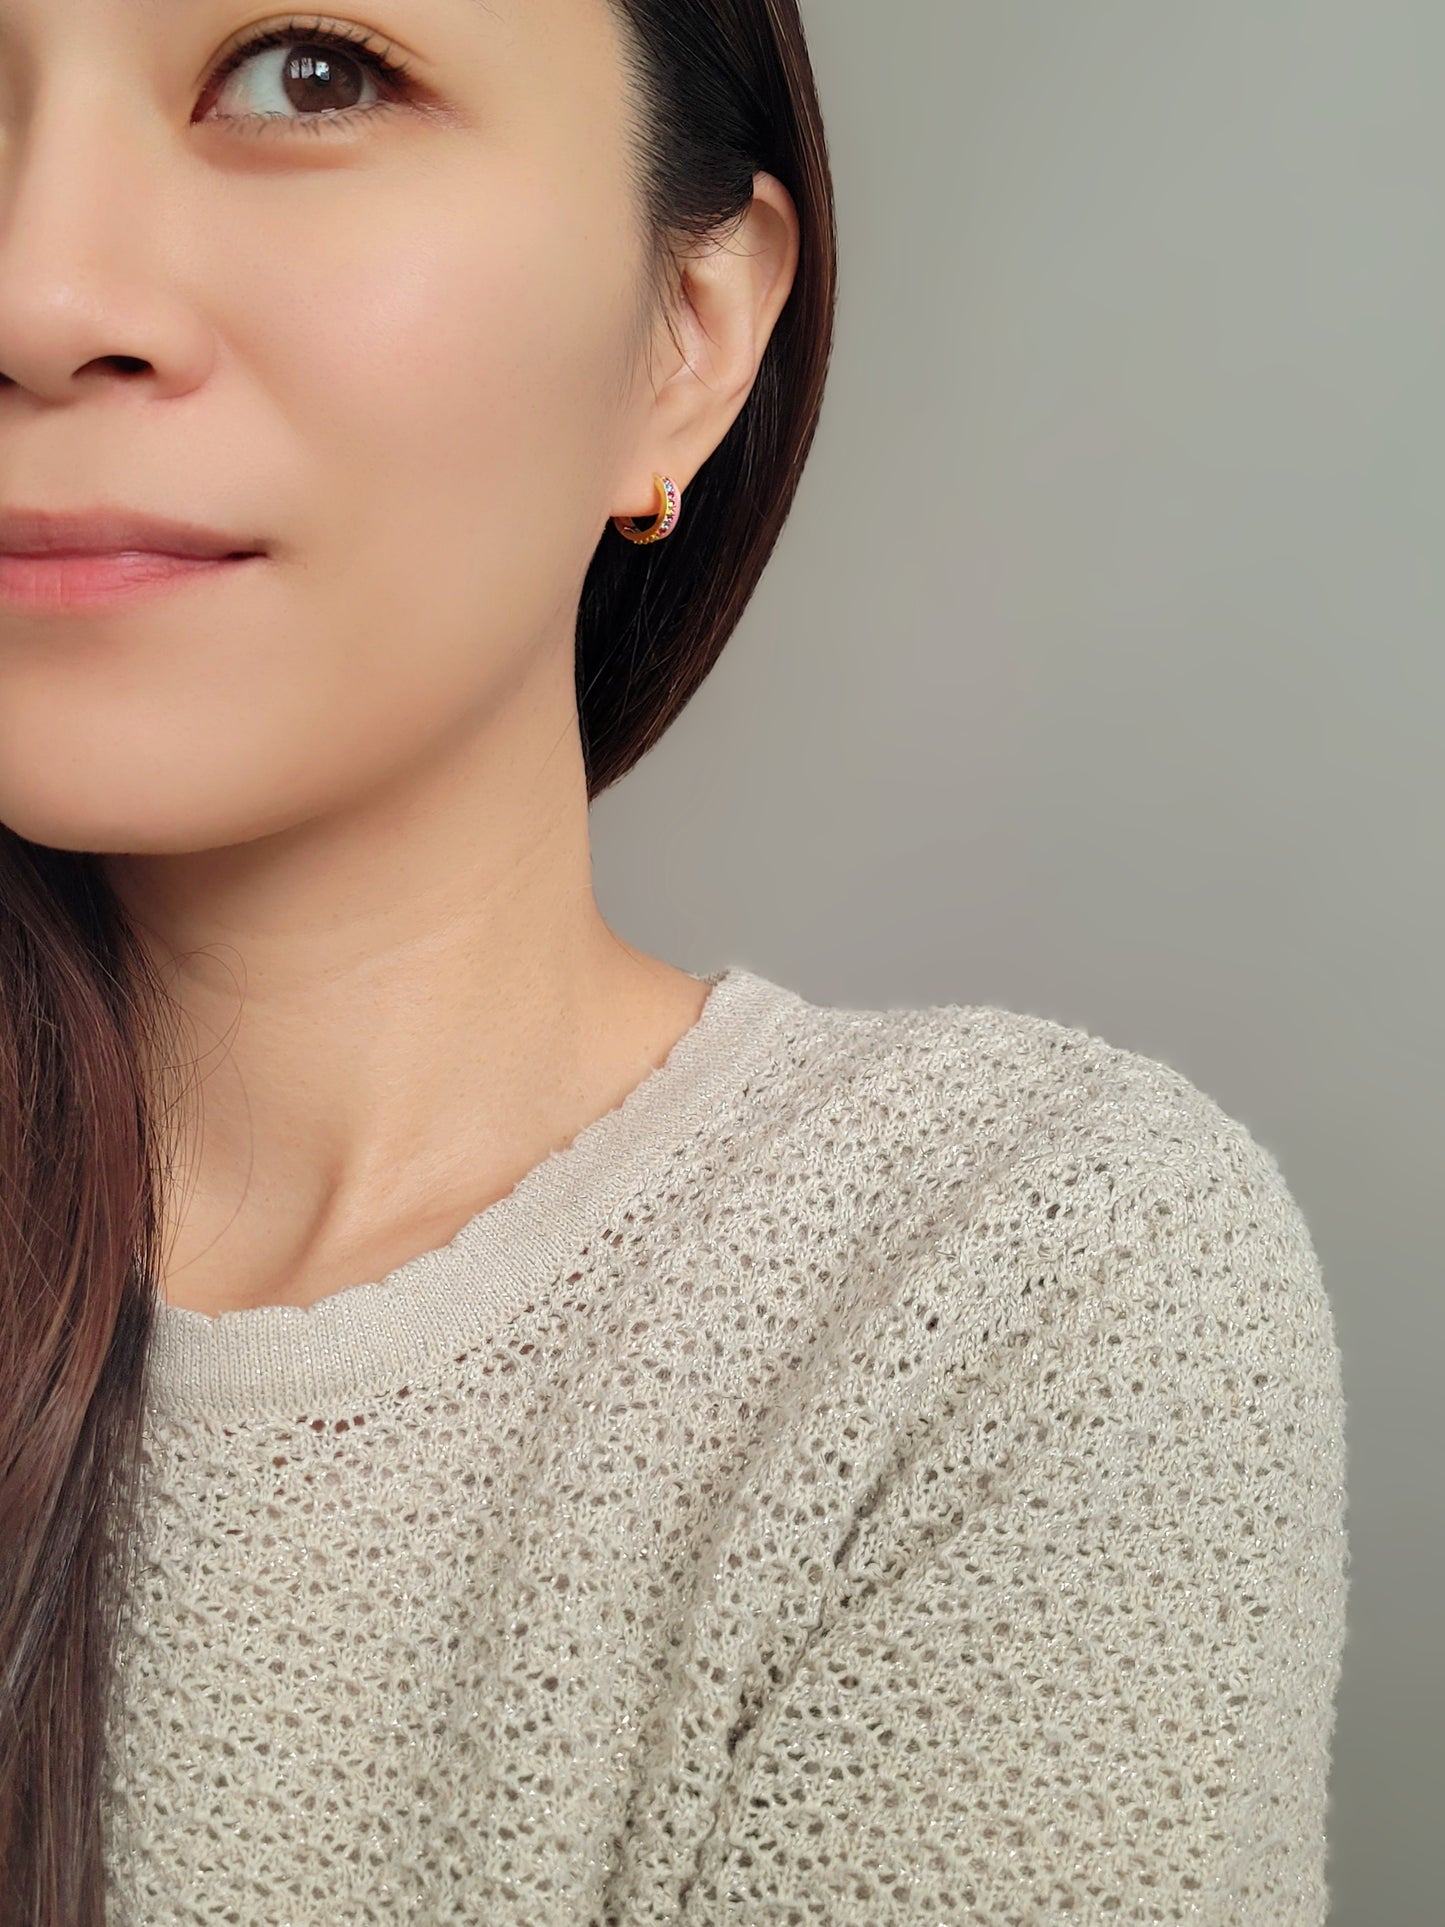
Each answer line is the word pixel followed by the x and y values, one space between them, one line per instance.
pixel 318 69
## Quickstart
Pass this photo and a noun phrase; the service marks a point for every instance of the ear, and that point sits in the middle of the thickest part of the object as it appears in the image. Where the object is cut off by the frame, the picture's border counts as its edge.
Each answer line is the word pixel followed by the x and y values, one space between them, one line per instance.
pixel 734 287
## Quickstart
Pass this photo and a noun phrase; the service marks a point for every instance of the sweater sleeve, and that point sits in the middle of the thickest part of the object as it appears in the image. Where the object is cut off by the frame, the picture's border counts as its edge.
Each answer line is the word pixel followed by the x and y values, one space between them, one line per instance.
pixel 1081 1659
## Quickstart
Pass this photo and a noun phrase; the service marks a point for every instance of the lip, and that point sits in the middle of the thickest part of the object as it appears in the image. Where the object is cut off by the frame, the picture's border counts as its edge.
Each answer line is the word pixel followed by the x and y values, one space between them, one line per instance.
pixel 62 585
pixel 114 531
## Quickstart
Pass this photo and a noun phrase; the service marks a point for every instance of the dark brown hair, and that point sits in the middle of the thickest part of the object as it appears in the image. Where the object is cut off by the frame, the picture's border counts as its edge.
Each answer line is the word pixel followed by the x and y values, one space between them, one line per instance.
pixel 720 89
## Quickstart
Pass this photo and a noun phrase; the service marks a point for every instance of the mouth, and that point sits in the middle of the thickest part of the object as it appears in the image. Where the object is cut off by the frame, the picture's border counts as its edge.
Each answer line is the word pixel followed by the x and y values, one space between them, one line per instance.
pixel 75 582
pixel 111 530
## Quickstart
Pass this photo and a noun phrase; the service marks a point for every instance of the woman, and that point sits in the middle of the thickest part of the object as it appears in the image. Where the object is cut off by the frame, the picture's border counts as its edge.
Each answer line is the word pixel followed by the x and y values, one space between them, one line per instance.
pixel 498 1429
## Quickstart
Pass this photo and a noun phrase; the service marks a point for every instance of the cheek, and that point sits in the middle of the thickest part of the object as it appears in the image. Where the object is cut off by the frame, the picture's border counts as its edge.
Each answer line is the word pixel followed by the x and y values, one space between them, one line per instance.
pixel 455 380
pixel 421 417
pixel 454 387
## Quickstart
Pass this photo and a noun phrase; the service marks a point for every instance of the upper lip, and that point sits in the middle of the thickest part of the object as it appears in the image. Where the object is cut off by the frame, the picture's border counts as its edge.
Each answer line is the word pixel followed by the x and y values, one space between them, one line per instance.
pixel 110 531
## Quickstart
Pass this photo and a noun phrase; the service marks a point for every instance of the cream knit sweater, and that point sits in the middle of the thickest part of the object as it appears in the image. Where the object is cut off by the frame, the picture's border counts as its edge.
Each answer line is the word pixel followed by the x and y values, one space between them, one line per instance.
pixel 888 1473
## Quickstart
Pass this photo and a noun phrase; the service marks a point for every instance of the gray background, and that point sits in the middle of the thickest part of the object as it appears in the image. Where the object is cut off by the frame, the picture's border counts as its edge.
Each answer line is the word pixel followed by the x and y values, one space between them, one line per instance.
pixel 1098 672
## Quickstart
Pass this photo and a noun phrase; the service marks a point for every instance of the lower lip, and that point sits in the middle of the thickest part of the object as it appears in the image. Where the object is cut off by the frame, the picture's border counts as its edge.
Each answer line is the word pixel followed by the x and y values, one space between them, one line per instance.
pixel 72 584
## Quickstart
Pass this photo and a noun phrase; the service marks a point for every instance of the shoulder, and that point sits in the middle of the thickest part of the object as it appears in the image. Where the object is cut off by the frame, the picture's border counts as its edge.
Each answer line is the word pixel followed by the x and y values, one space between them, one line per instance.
pixel 1051 1143
pixel 1082 1221
pixel 1002 1083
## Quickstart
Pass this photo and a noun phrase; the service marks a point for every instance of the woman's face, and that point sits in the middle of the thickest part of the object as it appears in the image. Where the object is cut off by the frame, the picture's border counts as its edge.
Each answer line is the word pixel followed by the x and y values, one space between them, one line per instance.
pixel 399 348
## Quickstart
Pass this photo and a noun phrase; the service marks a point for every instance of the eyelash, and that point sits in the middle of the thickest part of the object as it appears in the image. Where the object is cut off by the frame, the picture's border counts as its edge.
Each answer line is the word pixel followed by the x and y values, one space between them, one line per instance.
pixel 383 61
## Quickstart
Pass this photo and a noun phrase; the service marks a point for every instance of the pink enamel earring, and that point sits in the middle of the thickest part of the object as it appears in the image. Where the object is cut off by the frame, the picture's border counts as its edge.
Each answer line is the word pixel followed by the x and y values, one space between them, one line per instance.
pixel 669 507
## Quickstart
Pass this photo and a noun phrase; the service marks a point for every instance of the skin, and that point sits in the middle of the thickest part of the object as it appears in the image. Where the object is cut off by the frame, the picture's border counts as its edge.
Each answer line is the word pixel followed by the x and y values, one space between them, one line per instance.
pixel 341 791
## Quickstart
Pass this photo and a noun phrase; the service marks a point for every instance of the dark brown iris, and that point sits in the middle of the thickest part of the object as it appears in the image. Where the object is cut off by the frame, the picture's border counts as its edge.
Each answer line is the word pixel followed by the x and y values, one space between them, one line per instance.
pixel 319 79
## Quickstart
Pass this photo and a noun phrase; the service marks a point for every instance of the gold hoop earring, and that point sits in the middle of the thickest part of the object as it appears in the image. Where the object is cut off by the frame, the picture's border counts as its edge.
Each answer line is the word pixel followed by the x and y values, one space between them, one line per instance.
pixel 669 507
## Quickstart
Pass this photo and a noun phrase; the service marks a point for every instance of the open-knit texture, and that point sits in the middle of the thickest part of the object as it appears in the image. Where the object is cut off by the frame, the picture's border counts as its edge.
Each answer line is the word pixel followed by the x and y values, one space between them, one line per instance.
pixel 890 1472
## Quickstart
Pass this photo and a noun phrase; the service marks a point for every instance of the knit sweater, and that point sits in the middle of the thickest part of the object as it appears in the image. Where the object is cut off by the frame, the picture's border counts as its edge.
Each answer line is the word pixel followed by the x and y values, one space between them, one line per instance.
pixel 889 1472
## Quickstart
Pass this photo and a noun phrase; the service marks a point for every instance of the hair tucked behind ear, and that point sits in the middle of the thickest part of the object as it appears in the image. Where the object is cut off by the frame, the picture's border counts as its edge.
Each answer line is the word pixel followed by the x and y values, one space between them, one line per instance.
pixel 721 90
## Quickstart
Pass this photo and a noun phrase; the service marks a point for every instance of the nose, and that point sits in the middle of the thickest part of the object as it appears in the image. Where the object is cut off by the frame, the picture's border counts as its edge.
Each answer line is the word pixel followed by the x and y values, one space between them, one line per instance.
pixel 87 248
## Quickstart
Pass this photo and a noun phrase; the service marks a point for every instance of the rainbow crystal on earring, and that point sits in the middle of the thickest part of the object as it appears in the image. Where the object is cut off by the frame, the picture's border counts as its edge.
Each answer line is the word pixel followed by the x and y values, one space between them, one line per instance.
pixel 669 508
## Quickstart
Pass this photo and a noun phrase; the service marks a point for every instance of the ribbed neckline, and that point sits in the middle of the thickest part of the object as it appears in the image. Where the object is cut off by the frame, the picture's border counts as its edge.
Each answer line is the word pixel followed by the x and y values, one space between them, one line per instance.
pixel 287 1359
